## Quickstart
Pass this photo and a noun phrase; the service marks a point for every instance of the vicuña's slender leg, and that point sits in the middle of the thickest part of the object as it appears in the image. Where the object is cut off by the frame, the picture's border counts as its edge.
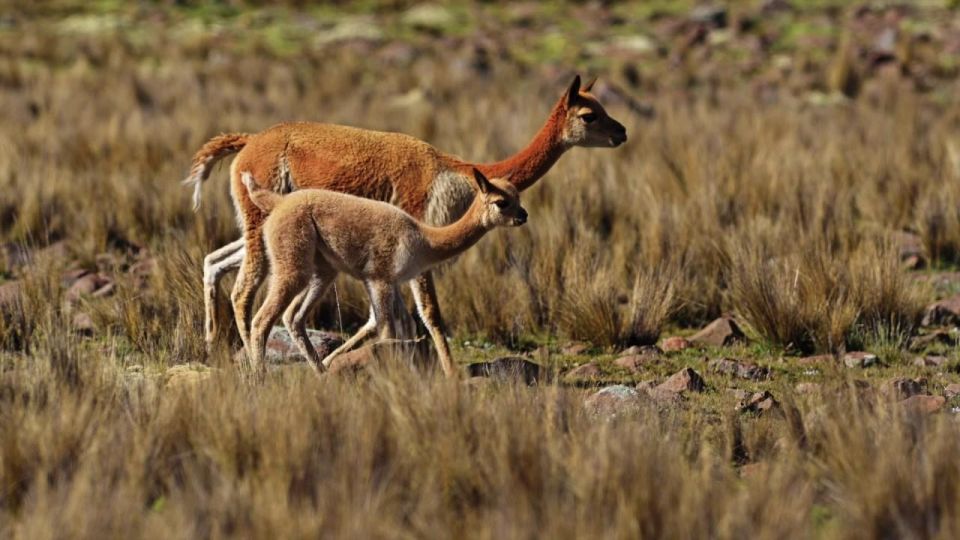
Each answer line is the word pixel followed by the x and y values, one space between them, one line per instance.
pixel 253 270
pixel 381 299
pixel 295 317
pixel 425 295
pixel 282 290
pixel 215 266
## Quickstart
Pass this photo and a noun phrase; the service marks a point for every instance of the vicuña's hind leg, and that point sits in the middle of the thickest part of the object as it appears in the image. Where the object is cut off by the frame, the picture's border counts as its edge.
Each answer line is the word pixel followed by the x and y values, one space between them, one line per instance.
pixel 215 265
pixel 295 317
pixel 425 295
pixel 253 270
pixel 281 291
pixel 381 300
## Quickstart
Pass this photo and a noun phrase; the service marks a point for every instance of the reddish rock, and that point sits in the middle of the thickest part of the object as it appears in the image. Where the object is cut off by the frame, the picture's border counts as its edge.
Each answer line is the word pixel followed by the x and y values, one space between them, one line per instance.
pixel 720 333
pixel 685 380
pixel 951 391
pixel 614 401
pixel 675 344
pixel 583 372
pixel 635 362
pixel 280 346
pixel 924 404
pixel 943 313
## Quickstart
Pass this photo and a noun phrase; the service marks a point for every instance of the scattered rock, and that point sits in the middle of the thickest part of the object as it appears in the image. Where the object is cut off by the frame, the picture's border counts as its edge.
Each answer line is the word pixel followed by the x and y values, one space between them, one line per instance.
pixel 635 362
pixel 951 391
pixel 614 401
pixel 643 350
pixel 930 361
pixel 901 388
pixel 583 372
pixel 675 344
pixel 759 402
pixel 945 312
pixel 660 395
pixel 720 333
pixel 712 15
pixel 859 359
pixel 923 404
pixel 816 359
pixel 281 348
pixel 685 380
pixel 575 348
pixel 508 368
pixel 393 352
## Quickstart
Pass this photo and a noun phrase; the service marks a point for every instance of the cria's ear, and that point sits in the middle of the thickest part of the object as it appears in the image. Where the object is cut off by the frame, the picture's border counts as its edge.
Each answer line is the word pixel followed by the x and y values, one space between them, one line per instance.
pixel 482 182
pixel 574 91
pixel 589 85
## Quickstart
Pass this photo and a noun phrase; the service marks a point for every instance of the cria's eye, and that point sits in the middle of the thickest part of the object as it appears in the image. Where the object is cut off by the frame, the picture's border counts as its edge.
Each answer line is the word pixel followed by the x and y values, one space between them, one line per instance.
pixel 501 203
pixel 589 117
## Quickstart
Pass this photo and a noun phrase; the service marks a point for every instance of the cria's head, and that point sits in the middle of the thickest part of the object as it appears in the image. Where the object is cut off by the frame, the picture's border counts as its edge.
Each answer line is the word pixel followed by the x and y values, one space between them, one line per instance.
pixel 586 122
pixel 500 202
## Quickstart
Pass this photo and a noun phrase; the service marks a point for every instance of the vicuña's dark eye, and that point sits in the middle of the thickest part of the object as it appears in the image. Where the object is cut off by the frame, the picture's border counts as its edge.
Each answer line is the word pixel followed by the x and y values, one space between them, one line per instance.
pixel 589 117
pixel 501 203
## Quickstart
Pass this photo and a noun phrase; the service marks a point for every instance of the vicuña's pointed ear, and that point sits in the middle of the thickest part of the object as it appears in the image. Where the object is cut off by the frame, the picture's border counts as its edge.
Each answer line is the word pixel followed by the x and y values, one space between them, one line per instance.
pixel 589 85
pixel 574 91
pixel 482 181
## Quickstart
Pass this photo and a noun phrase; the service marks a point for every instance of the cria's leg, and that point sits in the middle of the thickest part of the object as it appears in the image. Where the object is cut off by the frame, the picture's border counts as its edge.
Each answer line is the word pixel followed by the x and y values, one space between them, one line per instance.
pixel 425 295
pixel 281 292
pixel 253 270
pixel 381 300
pixel 215 266
pixel 295 317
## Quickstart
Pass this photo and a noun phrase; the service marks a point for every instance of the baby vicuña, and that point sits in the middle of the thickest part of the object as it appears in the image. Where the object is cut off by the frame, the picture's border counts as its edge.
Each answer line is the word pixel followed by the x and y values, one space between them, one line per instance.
pixel 311 235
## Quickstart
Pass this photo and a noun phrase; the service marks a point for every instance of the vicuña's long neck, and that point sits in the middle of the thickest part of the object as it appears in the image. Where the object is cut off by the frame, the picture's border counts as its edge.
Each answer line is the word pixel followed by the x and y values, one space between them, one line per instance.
pixel 451 240
pixel 530 164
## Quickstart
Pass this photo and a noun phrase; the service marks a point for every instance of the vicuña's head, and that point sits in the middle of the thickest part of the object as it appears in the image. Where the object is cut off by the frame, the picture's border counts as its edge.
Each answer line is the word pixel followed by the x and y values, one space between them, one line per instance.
pixel 499 202
pixel 586 122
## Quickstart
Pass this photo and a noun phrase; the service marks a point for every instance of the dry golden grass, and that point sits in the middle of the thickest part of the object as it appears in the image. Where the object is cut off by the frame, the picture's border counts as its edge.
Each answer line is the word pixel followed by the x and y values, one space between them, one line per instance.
pixel 780 212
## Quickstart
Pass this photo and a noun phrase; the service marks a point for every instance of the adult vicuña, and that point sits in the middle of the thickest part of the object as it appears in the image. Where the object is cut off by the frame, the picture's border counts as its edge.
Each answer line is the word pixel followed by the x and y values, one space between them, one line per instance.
pixel 313 234
pixel 430 185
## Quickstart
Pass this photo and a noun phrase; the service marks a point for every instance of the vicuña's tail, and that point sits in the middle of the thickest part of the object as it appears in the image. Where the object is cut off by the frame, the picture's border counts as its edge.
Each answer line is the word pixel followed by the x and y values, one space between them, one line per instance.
pixel 213 151
pixel 265 199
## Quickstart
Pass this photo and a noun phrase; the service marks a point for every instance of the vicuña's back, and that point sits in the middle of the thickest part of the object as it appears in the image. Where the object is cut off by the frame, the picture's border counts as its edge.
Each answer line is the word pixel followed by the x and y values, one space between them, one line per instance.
pixel 311 235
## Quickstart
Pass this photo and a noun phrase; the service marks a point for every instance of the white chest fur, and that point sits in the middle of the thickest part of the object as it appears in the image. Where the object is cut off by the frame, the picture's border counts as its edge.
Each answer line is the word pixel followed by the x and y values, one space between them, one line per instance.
pixel 450 196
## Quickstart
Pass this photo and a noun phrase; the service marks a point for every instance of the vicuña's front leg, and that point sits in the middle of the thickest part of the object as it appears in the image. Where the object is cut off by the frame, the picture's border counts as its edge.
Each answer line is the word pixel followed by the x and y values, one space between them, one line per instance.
pixel 425 295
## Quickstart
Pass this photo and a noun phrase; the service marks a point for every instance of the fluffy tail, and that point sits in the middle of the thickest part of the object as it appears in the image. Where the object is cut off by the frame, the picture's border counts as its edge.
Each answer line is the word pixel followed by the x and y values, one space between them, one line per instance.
pixel 213 151
pixel 264 198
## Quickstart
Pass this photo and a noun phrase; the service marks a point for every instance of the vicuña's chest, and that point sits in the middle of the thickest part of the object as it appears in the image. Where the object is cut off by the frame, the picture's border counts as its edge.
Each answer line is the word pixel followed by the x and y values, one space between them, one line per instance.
pixel 448 198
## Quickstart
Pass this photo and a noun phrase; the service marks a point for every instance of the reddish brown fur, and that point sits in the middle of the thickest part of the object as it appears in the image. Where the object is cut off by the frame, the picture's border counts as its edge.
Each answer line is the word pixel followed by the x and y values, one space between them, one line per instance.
pixel 389 167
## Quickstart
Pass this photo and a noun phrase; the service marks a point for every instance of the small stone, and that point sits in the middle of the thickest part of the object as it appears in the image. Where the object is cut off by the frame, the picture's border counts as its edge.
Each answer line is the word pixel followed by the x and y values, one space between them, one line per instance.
pixel 743 370
pixel 685 380
pixel 391 352
pixel 759 402
pixel 720 333
pixel 646 350
pixel 713 15
pixel 816 359
pixel 575 348
pixel 951 391
pixel 281 348
pixel 508 368
pixel 675 344
pixel 614 401
pixel 635 362
pixel 924 404
pixel 859 359
pixel 583 372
